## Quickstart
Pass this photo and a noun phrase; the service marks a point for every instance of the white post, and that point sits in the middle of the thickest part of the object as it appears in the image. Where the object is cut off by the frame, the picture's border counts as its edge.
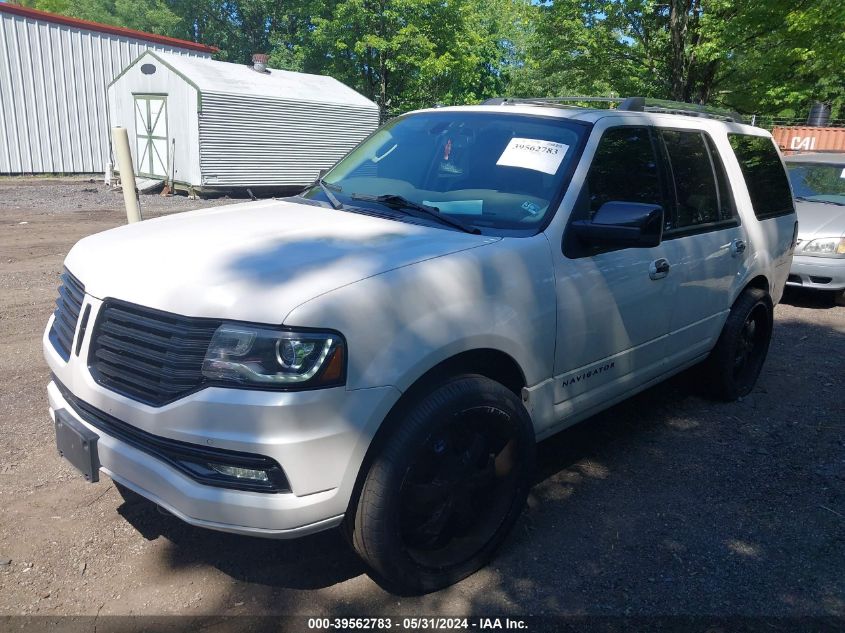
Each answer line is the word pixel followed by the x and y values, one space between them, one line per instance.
pixel 120 140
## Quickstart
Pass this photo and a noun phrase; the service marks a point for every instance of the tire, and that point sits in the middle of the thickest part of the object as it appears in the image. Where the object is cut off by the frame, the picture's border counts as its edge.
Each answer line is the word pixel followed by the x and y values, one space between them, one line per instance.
pixel 734 364
pixel 446 487
pixel 839 298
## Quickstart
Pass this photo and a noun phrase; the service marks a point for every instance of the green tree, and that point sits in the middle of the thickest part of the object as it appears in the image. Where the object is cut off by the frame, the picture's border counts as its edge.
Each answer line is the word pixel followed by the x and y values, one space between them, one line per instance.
pixel 152 16
pixel 775 56
pixel 413 53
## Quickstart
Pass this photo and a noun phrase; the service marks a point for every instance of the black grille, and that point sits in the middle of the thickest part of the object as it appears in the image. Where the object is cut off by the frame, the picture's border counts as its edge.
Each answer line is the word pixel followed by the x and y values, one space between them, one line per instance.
pixel 151 356
pixel 68 304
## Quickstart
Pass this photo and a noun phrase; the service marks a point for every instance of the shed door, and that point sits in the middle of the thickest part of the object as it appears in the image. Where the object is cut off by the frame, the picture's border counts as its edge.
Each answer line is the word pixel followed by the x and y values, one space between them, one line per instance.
pixel 151 145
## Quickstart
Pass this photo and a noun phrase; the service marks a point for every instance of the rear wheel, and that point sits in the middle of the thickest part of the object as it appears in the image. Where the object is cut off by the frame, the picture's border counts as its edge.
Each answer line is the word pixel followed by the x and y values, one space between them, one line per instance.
pixel 447 486
pixel 735 363
pixel 839 297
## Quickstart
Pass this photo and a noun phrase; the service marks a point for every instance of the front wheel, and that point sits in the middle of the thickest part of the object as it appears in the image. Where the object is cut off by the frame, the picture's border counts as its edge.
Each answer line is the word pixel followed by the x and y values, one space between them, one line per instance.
pixel 735 363
pixel 446 487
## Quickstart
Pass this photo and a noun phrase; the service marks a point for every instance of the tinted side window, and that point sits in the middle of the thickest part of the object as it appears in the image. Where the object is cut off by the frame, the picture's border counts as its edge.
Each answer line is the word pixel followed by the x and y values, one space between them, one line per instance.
pixel 727 207
pixel 624 169
pixel 698 188
pixel 764 175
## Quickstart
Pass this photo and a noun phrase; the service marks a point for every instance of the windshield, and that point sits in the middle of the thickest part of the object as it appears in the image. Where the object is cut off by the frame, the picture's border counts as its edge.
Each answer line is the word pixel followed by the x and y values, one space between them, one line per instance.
pixel 818 182
pixel 492 170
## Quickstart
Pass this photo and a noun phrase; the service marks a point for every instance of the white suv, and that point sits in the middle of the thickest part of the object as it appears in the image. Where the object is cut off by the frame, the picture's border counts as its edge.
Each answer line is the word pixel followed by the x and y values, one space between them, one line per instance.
pixel 383 351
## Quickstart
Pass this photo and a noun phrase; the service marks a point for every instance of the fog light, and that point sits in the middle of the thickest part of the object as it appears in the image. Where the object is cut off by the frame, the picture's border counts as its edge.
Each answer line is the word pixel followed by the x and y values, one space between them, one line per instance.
pixel 240 473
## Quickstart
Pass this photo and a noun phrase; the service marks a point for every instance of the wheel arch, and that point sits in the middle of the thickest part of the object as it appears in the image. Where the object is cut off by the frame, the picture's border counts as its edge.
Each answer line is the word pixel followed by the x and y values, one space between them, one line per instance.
pixel 759 281
pixel 491 363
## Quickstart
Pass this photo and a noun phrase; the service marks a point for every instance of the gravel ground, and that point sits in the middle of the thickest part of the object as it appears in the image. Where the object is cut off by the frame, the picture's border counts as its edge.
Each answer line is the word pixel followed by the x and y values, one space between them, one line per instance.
pixel 668 504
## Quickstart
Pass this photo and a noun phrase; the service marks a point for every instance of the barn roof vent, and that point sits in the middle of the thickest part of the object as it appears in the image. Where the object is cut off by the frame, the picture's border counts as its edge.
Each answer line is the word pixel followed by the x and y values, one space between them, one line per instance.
pixel 259 62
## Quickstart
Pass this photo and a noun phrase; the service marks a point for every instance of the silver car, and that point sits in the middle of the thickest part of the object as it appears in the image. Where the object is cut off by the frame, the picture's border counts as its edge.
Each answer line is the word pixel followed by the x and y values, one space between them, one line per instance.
pixel 818 182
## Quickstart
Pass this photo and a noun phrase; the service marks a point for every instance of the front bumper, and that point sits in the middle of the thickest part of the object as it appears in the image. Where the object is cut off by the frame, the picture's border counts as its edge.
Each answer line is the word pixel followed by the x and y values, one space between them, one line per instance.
pixel 819 273
pixel 318 437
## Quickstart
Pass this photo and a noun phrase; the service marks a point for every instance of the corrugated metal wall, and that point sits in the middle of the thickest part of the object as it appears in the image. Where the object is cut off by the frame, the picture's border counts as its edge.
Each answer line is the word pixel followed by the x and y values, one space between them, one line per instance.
pixel 250 141
pixel 53 81
pixel 810 139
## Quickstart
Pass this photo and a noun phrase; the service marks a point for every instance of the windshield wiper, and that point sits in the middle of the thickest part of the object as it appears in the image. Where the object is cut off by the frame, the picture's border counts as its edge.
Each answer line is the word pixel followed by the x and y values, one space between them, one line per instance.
pixel 806 199
pixel 336 204
pixel 400 203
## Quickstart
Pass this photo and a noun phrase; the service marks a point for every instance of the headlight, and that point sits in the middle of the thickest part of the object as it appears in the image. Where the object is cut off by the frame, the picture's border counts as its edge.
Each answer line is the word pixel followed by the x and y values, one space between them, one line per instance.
pixel 250 355
pixel 825 247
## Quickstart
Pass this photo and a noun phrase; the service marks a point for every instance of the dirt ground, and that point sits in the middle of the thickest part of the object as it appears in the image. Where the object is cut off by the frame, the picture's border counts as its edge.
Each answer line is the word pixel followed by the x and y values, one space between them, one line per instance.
pixel 668 504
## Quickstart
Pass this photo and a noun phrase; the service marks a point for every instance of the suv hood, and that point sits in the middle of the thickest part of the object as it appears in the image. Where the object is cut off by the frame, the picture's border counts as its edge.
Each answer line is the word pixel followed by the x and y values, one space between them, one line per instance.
pixel 255 261
pixel 818 219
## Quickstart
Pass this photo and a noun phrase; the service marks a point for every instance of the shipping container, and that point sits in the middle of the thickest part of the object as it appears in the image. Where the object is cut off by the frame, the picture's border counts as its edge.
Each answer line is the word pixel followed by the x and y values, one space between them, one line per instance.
pixel 810 139
pixel 207 125
pixel 54 71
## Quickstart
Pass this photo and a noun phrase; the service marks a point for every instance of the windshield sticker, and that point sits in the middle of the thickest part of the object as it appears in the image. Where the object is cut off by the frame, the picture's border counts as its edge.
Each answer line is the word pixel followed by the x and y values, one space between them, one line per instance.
pixel 532 208
pixel 450 168
pixel 457 207
pixel 536 154
pixel 842 175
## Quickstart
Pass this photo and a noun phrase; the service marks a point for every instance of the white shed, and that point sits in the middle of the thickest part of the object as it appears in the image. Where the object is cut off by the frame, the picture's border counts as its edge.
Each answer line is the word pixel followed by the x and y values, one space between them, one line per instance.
pixel 209 125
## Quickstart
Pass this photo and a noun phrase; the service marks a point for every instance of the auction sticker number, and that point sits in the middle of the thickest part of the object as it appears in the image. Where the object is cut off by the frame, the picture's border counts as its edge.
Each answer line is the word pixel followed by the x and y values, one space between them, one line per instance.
pixel 531 153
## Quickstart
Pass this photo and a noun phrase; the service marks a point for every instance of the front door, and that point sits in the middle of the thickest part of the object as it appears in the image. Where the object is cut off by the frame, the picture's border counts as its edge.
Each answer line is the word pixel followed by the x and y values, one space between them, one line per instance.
pixel 614 306
pixel 151 145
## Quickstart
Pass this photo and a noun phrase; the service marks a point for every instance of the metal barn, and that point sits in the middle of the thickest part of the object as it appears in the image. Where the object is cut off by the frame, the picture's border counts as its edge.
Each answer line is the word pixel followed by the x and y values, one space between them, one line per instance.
pixel 54 72
pixel 206 125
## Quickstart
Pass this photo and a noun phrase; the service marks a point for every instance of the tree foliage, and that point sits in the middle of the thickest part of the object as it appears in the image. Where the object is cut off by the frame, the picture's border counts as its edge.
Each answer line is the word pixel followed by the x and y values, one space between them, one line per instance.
pixel 774 57
pixel 411 53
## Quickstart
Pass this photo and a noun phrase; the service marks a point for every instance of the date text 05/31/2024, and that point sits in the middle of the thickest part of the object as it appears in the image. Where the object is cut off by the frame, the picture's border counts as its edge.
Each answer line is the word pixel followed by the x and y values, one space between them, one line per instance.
pixel 413 624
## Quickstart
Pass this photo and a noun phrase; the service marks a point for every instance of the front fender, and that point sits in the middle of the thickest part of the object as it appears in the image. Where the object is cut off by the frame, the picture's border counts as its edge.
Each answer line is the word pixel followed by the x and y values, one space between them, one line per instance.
pixel 401 323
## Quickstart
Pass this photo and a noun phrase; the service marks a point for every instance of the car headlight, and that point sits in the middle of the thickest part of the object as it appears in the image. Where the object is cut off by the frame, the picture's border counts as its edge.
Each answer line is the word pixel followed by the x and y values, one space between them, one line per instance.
pixel 825 247
pixel 247 355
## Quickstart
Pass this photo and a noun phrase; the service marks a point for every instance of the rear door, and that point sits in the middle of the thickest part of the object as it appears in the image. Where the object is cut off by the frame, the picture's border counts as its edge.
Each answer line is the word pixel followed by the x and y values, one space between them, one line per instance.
pixel 704 227
pixel 771 201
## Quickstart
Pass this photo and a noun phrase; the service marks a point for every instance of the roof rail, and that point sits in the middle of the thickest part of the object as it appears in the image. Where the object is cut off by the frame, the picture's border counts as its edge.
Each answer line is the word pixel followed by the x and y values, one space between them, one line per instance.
pixel 647 104
pixel 628 104
pixel 549 100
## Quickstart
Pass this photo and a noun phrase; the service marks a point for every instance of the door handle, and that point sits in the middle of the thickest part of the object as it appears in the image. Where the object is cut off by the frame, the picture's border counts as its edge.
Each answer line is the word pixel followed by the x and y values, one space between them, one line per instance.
pixel 659 268
pixel 737 247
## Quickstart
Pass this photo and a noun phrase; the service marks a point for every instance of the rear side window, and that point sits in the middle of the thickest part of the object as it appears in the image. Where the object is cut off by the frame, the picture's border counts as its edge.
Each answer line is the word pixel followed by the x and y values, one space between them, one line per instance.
pixel 624 169
pixel 764 175
pixel 700 192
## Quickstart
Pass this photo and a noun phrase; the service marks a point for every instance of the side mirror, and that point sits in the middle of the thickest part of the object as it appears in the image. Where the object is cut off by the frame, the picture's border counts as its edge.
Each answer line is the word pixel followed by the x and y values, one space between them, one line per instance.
pixel 623 224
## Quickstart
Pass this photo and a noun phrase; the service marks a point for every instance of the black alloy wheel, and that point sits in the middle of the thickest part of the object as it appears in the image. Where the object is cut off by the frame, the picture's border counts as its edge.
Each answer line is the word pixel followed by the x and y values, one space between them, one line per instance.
pixel 456 493
pixel 446 486
pixel 737 359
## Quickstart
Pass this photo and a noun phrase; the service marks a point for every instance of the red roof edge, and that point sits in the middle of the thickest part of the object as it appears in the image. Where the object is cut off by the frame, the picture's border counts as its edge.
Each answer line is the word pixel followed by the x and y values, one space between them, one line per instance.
pixel 35 14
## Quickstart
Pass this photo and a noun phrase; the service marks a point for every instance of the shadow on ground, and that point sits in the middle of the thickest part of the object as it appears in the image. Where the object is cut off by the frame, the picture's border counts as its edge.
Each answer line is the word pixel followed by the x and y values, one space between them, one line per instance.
pixel 667 504
pixel 805 298
pixel 311 562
